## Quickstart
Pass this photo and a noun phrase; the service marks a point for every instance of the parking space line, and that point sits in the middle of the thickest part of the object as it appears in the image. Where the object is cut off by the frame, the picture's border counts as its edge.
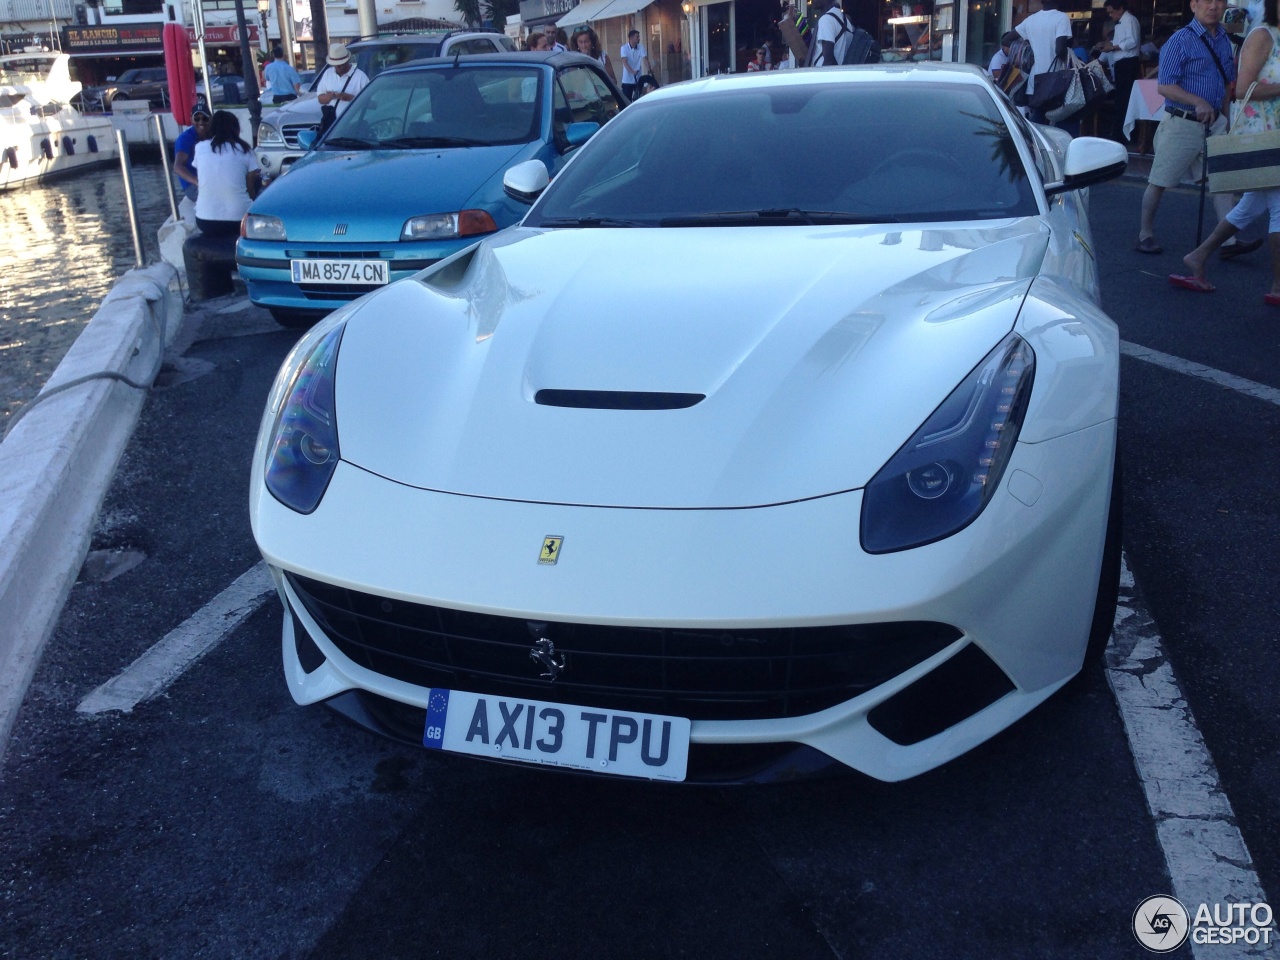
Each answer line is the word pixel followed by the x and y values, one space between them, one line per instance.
pixel 1251 388
pixel 1206 855
pixel 163 663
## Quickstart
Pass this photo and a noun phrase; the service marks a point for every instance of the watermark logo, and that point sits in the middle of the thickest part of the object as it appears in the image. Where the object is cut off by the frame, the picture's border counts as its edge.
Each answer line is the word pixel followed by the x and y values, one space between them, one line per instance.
pixel 1161 924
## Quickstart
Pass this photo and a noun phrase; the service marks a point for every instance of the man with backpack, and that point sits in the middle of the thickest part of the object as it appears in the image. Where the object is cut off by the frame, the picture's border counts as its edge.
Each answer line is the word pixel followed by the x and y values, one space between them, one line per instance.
pixel 840 42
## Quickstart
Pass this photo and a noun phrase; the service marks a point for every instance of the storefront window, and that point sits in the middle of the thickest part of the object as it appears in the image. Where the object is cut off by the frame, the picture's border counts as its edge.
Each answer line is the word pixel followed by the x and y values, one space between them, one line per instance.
pixel 129 7
pixel 983 37
pixel 719 54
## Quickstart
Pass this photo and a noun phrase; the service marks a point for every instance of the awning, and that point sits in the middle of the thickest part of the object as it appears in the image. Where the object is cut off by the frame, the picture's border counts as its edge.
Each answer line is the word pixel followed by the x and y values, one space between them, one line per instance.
pixel 584 11
pixel 622 8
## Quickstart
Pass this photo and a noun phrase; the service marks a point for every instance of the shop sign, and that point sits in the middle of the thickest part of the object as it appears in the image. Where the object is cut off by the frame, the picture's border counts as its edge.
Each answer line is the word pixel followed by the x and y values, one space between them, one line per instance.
pixel 531 10
pixel 228 36
pixel 142 38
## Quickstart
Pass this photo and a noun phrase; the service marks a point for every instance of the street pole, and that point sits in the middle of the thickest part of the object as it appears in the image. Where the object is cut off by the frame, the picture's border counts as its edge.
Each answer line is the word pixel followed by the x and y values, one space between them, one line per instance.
pixel 197 19
pixel 320 33
pixel 251 91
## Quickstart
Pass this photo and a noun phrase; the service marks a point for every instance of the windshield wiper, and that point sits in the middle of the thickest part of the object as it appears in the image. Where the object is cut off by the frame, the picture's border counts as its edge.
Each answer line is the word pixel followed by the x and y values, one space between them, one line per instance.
pixel 349 142
pixel 772 215
pixel 426 142
pixel 593 222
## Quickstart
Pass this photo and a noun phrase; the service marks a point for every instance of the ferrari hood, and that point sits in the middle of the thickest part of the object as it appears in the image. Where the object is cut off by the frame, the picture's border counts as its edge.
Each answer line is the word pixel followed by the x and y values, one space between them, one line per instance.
pixel 354 186
pixel 679 368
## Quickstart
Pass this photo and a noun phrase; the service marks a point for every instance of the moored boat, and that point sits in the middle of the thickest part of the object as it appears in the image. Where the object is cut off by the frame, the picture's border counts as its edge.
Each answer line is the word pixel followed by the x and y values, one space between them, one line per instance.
pixel 41 133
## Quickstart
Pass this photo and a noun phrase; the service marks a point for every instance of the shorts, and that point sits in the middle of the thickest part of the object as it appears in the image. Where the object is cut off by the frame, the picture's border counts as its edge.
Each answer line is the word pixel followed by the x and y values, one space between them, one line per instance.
pixel 1179 144
pixel 1253 205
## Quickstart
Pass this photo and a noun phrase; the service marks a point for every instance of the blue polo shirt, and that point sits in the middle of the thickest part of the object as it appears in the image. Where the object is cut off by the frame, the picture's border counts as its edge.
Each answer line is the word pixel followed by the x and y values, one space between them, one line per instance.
pixel 1185 60
pixel 186 143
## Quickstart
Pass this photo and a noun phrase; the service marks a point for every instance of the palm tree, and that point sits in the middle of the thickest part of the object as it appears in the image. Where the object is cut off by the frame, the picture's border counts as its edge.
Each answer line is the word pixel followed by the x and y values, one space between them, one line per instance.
pixel 470 10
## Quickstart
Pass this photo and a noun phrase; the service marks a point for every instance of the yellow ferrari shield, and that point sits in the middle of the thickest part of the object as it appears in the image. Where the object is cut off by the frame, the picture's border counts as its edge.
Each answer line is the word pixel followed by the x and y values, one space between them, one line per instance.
pixel 550 549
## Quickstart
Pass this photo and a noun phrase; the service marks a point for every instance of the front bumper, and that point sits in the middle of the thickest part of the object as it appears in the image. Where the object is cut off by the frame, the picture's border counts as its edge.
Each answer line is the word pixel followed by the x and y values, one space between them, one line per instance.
pixel 265 268
pixel 1019 584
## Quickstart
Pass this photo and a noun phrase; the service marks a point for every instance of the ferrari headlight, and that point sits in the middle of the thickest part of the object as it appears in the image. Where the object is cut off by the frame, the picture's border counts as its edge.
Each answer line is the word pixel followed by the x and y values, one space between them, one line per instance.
pixel 269 134
pixel 446 226
pixel 304 442
pixel 257 226
pixel 939 482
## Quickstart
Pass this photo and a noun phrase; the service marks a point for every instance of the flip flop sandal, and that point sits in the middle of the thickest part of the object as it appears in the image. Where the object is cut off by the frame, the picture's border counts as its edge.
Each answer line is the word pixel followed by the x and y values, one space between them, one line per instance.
pixel 1272 299
pixel 1192 283
pixel 1148 245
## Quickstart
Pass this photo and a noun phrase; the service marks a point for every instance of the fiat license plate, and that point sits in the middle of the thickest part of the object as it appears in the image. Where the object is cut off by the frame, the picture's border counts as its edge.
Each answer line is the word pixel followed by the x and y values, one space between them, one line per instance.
pixel 368 273
pixel 584 738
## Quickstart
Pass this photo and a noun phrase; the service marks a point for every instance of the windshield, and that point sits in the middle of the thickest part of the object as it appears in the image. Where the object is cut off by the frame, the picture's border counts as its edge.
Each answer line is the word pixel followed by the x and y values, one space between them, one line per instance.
pixel 445 107
pixel 373 60
pixel 888 152
pixel 24 69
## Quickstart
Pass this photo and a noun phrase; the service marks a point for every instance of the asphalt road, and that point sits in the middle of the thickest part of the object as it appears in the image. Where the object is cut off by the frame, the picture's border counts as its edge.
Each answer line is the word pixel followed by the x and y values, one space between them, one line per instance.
pixel 220 820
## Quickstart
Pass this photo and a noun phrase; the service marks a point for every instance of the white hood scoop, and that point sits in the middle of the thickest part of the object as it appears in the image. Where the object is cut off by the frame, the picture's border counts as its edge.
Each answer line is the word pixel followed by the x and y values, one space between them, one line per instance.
pixel 626 368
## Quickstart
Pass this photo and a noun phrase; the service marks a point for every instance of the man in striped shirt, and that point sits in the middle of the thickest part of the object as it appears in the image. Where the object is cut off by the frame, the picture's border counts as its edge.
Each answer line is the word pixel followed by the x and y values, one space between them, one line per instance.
pixel 1197 67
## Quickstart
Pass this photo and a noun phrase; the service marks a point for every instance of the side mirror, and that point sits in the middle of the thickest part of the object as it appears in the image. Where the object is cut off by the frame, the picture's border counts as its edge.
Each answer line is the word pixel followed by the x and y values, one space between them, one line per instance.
pixel 1090 160
pixel 579 133
pixel 307 138
pixel 525 181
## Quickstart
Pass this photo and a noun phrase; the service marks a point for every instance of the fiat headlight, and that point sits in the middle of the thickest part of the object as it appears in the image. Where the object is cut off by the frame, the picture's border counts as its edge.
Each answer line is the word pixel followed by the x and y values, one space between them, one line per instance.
pixel 303 452
pixel 446 226
pixel 257 226
pixel 269 134
pixel 944 476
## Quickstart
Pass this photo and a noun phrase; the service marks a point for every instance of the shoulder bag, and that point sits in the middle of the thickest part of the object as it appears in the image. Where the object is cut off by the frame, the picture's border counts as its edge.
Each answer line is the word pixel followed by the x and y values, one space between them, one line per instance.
pixel 1243 161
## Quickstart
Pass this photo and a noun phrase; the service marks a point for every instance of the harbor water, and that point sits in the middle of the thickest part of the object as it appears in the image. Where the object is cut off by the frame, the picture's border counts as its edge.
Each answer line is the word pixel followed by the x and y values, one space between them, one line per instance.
pixel 63 244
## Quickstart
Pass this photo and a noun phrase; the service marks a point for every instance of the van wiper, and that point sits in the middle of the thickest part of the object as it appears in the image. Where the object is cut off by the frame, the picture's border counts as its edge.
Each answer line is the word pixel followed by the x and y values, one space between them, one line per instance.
pixel 421 143
pixel 356 142
pixel 772 215
pixel 593 222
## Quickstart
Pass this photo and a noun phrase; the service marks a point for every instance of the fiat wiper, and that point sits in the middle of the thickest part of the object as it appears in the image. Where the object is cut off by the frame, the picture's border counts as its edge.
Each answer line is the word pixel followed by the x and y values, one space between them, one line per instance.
pixel 412 143
pixel 593 222
pixel 356 142
pixel 772 215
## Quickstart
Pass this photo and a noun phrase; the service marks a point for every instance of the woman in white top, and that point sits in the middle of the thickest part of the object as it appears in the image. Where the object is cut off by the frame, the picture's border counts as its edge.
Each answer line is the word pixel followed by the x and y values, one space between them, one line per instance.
pixel 229 176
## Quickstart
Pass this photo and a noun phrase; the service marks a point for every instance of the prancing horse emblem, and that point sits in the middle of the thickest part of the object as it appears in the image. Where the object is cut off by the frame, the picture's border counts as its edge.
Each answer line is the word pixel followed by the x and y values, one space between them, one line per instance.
pixel 550 551
pixel 544 653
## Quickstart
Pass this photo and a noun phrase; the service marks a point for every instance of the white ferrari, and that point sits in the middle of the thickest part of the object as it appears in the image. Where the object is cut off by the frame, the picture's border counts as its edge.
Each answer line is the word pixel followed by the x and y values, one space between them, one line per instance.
pixel 780 433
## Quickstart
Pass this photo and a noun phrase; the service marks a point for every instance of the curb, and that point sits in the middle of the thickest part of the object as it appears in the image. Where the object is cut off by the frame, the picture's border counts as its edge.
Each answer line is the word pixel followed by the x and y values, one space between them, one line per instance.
pixel 58 462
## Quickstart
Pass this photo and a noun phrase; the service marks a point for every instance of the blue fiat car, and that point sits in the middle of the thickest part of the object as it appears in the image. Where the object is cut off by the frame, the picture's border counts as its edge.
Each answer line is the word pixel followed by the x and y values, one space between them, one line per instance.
pixel 412 172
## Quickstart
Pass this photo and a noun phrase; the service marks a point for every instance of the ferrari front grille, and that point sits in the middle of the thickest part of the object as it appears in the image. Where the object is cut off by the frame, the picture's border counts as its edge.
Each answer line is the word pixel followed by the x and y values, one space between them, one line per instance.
pixel 702 674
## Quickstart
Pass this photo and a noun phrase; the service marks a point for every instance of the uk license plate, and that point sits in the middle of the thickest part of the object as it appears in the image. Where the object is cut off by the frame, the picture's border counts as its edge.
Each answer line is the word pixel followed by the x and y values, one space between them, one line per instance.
pixel 369 273
pixel 556 734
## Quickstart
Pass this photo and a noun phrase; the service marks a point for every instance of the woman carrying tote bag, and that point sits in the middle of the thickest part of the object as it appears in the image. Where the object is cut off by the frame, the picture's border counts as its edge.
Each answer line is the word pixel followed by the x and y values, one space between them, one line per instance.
pixel 1258 85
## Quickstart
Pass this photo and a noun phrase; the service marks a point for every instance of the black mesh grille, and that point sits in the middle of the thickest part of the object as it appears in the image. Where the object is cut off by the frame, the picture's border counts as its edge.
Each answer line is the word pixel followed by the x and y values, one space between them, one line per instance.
pixel 700 674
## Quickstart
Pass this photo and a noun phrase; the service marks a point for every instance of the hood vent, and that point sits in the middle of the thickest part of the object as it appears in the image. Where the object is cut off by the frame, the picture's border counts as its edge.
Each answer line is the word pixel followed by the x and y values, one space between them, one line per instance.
pixel 617 399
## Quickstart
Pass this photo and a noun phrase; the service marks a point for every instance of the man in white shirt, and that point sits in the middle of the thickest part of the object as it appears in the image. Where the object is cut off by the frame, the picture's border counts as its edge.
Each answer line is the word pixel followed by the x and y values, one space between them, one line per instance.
pixel 1123 48
pixel 835 33
pixel 339 84
pixel 635 64
pixel 1049 32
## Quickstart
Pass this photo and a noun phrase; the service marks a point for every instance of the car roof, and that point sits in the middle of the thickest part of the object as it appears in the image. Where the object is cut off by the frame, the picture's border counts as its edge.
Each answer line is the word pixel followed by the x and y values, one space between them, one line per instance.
pixel 522 57
pixel 924 72
pixel 424 37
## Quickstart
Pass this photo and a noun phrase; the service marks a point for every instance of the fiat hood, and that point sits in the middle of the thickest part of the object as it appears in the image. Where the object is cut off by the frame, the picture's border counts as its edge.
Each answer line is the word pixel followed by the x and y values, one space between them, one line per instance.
pixel 354 186
pixel 680 368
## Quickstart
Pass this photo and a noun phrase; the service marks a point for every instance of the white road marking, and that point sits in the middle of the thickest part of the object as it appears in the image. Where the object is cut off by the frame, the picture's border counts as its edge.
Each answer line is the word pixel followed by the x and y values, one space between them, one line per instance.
pixel 1206 855
pixel 152 672
pixel 1258 391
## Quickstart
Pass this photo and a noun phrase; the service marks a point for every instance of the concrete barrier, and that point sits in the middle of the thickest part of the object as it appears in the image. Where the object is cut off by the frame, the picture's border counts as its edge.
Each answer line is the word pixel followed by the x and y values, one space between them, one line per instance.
pixel 59 459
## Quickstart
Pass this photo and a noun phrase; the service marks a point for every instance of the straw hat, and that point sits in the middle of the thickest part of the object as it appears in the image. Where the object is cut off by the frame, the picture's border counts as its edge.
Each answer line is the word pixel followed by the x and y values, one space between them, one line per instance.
pixel 338 54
